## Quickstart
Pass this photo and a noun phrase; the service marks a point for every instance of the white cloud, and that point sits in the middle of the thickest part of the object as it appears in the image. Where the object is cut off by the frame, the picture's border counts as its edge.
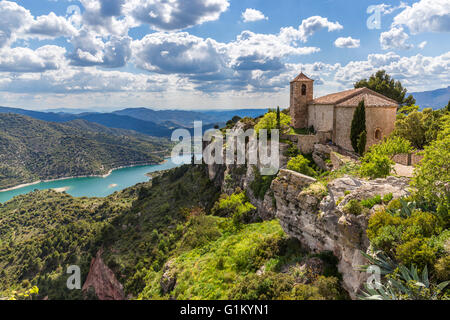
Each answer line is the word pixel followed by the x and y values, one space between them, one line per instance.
pixel 251 15
pixel 13 19
pixel 50 26
pixel 348 42
pixel 422 44
pixel 175 14
pixel 426 16
pixel 416 72
pixel 26 60
pixel 91 49
pixel 396 38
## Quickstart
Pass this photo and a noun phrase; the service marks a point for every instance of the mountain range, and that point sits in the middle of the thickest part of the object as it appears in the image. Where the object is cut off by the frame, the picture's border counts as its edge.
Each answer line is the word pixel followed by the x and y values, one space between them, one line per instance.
pixel 435 99
pixel 159 123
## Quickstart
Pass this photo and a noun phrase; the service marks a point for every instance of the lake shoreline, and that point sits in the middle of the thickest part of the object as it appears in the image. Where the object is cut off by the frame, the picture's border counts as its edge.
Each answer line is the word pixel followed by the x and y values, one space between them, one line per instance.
pixel 84 176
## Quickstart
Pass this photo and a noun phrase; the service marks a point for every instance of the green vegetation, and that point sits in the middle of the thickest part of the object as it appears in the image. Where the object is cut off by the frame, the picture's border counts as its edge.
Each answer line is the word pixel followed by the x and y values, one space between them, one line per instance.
pixel 261 184
pixel 269 122
pixel 227 268
pixel 420 128
pixel 382 83
pixel 236 206
pixel 377 162
pixel 432 175
pixel 302 165
pixel 32 150
pixel 358 133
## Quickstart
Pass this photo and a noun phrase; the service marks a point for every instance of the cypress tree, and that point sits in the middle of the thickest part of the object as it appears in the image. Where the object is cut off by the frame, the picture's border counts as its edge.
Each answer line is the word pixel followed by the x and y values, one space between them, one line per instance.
pixel 278 119
pixel 358 126
pixel 362 141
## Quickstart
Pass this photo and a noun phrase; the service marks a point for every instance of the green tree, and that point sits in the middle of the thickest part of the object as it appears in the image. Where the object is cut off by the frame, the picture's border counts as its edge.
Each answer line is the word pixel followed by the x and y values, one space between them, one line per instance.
pixel 269 122
pixel 362 142
pixel 358 126
pixel 278 119
pixel 419 128
pixel 382 83
pixel 432 175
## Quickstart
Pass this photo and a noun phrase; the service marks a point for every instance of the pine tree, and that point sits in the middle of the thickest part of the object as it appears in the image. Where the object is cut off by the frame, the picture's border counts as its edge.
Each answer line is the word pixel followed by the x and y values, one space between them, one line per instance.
pixel 358 125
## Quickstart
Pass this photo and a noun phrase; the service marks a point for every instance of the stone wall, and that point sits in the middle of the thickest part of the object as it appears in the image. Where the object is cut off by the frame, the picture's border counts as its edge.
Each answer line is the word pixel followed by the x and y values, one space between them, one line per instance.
pixel 342 126
pixel 306 143
pixel 379 118
pixel 321 117
pixel 408 159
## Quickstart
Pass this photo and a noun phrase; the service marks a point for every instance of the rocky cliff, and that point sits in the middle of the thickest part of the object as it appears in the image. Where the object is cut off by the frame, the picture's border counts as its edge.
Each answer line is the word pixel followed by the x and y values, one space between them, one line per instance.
pixel 102 281
pixel 316 217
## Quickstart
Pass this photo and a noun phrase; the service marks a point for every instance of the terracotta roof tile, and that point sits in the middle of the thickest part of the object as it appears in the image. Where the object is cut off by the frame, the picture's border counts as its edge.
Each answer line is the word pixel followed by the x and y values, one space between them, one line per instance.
pixel 370 100
pixel 352 98
pixel 301 77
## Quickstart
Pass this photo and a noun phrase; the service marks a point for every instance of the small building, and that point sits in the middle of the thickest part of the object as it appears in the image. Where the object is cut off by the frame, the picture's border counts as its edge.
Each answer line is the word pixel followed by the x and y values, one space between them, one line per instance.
pixel 331 115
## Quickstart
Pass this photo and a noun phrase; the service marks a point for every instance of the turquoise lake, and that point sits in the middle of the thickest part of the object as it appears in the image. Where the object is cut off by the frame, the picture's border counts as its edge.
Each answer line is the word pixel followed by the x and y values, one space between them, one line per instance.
pixel 98 186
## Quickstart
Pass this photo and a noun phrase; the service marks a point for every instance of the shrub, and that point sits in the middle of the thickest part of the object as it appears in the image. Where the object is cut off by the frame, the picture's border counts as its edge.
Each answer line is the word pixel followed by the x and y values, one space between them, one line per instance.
pixel 301 164
pixel 261 184
pixel 409 239
pixel 270 286
pixel 353 207
pixel 432 175
pixel 235 206
pixel 442 268
pixel 269 122
pixel 377 162
pixel 388 198
pixel 371 202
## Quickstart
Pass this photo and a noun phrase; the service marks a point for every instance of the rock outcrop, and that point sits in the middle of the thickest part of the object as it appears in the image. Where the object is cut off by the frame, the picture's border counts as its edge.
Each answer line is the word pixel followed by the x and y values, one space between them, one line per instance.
pixel 102 281
pixel 169 278
pixel 320 224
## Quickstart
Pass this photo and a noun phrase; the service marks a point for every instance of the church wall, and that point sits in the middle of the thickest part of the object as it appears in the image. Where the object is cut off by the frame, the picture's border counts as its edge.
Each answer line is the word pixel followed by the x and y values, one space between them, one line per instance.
pixel 377 118
pixel 321 117
pixel 381 119
pixel 344 117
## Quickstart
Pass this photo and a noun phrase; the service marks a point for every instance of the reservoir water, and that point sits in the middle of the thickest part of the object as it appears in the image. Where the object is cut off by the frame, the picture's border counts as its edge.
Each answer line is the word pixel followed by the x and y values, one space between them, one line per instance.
pixel 98 186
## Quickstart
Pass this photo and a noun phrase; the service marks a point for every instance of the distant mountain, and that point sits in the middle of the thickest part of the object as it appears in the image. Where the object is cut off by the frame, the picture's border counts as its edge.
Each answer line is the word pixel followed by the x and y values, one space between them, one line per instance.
pixel 160 123
pixel 187 118
pixel 105 119
pixel 32 150
pixel 435 99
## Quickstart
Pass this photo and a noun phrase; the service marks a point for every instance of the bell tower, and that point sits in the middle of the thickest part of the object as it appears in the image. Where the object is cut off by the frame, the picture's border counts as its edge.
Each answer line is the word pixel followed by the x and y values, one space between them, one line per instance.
pixel 302 94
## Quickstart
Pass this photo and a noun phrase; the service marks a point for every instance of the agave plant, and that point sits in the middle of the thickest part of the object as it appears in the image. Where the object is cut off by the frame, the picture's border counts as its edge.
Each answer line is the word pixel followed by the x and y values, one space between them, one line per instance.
pixel 406 284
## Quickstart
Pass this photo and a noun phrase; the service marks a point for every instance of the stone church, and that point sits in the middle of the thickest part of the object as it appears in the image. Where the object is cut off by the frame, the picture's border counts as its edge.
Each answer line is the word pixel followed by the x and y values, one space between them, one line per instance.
pixel 332 115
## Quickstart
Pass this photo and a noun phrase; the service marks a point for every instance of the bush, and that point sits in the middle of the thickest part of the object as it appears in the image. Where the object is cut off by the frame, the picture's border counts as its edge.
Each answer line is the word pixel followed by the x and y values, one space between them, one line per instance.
pixel 377 162
pixel 408 239
pixel 235 206
pixel 432 175
pixel 261 184
pixel 371 202
pixel 442 268
pixel 301 165
pixel 269 122
pixel 353 207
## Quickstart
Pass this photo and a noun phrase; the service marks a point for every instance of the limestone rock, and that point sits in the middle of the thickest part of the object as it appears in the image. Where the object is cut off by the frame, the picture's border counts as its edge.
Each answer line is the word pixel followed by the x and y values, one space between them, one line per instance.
pixel 169 279
pixel 103 281
pixel 319 224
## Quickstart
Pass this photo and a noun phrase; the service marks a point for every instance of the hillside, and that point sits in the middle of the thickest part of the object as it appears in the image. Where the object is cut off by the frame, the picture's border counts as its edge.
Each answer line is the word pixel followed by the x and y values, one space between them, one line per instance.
pixel 435 99
pixel 136 233
pixel 32 150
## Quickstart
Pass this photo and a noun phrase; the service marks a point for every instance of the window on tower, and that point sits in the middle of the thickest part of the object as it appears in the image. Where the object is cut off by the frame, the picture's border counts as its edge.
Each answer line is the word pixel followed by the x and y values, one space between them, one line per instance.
pixel 304 90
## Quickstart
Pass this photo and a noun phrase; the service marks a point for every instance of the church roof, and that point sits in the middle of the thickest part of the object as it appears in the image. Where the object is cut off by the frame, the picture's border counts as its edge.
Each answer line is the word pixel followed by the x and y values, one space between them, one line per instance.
pixel 352 98
pixel 301 77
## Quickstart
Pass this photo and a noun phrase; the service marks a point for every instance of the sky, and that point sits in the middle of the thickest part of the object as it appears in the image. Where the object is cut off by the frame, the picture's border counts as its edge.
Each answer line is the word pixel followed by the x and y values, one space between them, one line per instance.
pixel 212 54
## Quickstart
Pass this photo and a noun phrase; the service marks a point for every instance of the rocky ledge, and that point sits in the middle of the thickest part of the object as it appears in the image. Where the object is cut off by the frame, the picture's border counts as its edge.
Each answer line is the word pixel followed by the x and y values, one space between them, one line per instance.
pixel 309 212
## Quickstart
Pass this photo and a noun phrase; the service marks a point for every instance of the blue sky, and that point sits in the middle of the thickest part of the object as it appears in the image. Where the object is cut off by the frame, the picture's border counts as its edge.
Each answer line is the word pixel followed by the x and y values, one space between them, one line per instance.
pixel 206 54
